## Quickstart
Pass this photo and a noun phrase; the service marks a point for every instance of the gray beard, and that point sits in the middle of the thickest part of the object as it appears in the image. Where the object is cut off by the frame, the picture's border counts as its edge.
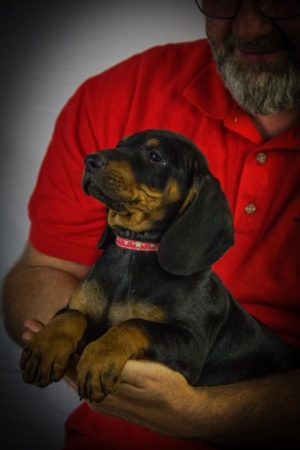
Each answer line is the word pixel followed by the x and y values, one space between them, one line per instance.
pixel 258 88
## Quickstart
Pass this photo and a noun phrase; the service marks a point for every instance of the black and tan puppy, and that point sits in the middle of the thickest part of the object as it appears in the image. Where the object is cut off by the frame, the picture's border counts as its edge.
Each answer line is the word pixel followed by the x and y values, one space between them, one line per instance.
pixel 152 294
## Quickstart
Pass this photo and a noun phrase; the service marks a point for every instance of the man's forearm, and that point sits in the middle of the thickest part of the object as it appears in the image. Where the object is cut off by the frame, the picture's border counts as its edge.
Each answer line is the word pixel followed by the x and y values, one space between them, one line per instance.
pixel 260 412
pixel 34 292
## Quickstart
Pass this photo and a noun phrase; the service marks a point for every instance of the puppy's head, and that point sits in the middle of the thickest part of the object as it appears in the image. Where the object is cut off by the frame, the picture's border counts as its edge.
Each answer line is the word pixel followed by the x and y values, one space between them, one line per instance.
pixel 145 180
pixel 158 180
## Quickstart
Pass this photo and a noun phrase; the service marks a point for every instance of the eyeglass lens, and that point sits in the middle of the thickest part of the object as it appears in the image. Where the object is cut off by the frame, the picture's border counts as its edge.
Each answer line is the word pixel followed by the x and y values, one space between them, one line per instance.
pixel 274 9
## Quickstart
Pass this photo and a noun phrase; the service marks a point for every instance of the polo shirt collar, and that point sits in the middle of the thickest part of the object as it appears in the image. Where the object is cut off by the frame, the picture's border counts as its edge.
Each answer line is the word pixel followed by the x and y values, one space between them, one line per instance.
pixel 208 93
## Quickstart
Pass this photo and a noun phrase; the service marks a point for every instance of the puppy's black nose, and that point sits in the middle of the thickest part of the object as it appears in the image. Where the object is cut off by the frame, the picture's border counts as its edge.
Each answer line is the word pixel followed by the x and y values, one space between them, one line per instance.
pixel 95 162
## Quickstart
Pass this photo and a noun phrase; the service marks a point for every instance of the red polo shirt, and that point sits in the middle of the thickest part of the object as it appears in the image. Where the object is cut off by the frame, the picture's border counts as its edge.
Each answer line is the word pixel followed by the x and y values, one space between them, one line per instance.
pixel 176 87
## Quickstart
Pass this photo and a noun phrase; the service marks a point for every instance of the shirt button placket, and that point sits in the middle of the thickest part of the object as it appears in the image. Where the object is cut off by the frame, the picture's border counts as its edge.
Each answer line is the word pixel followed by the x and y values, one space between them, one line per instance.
pixel 261 158
pixel 253 186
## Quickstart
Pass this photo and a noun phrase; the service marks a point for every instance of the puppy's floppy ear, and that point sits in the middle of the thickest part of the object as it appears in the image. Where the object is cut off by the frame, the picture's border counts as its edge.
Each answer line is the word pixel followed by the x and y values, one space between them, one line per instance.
pixel 201 234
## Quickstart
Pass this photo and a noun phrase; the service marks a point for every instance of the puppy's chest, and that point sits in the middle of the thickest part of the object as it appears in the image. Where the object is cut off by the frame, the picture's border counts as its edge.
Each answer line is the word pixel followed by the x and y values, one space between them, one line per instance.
pixel 134 309
pixel 131 289
pixel 135 298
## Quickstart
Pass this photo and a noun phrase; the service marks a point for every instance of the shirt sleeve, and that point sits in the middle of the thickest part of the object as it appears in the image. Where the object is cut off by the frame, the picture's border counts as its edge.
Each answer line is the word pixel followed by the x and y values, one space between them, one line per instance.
pixel 65 222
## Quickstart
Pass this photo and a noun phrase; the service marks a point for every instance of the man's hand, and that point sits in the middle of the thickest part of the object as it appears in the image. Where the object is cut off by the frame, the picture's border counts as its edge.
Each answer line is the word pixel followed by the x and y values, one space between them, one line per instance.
pixel 31 328
pixel 152 395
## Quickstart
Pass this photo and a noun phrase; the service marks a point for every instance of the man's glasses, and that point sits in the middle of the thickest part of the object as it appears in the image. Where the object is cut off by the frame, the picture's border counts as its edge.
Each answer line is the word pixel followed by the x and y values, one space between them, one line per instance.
pixel 273 9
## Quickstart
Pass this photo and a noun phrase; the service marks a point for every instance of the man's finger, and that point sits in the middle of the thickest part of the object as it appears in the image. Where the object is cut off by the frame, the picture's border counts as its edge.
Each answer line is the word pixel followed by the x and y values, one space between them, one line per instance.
pixel 27 335
pixel 33 325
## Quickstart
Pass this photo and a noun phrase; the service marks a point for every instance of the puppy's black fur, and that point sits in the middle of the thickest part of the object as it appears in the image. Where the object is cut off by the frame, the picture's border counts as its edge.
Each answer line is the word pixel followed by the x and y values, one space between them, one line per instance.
pixel 167 305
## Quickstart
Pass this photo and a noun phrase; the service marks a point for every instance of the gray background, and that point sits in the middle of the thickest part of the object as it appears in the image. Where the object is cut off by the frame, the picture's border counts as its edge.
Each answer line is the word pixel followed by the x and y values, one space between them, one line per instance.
pixel 46 51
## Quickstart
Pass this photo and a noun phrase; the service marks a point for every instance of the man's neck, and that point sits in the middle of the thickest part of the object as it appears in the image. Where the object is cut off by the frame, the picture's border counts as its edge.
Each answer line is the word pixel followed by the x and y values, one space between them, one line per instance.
pixel 275 124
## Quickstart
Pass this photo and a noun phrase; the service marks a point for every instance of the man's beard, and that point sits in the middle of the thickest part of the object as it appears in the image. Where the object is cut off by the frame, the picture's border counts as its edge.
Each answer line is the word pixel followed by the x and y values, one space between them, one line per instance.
pixel 260 88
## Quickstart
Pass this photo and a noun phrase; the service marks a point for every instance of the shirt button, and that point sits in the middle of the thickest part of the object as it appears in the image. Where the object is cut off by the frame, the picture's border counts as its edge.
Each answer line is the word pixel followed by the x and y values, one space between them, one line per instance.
pixel 250 209
pixel 261 158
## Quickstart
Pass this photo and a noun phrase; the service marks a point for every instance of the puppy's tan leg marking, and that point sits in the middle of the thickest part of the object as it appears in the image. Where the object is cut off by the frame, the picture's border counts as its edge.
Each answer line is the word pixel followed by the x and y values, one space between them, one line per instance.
pixel 102 362
pixel 46 356
pixel 89 298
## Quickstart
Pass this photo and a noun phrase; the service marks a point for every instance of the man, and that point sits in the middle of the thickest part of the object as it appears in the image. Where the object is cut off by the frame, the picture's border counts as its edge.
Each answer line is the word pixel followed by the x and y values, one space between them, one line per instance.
pixel 250 134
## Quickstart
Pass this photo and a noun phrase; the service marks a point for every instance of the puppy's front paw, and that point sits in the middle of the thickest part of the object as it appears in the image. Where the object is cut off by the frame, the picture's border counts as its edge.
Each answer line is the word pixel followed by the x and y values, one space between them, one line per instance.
pixel 45 358
pixel 99 371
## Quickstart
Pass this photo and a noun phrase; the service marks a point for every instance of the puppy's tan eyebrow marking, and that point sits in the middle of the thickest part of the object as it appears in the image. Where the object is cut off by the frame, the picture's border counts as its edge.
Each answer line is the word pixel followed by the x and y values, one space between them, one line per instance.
pixel 153 142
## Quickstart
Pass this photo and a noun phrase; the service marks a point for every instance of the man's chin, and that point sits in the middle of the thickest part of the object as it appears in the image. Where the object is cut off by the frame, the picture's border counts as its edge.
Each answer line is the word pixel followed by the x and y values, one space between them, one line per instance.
pixel 261 87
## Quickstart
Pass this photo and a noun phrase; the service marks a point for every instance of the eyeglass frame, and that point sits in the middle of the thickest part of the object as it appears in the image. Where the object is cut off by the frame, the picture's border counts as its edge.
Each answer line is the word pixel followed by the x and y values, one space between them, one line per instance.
pixel 233 16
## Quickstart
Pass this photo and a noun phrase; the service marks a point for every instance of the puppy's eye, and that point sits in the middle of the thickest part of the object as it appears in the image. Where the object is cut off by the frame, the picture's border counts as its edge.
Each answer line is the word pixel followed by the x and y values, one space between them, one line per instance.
pixel 155 156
